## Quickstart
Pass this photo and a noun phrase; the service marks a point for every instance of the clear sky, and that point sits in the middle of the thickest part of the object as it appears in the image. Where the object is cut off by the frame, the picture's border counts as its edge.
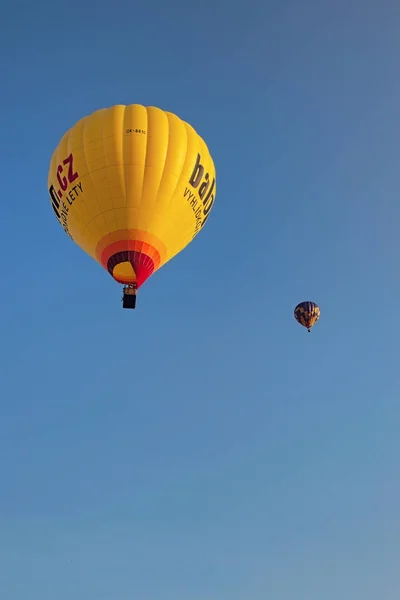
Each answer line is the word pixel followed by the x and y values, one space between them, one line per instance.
pixel 205 446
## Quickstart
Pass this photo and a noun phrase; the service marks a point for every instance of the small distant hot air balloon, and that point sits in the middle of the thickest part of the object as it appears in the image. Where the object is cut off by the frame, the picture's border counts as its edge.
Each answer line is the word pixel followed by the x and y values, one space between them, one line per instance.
pixel 132 186
pixel 307 314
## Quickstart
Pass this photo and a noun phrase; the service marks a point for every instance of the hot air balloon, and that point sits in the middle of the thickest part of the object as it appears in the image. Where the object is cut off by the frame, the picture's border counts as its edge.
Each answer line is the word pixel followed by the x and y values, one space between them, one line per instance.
pixel 307 314
pixel 132 186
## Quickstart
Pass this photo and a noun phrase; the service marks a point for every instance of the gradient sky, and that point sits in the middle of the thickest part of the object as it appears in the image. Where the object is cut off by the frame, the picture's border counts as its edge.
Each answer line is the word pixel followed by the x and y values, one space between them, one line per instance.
pixel 205 446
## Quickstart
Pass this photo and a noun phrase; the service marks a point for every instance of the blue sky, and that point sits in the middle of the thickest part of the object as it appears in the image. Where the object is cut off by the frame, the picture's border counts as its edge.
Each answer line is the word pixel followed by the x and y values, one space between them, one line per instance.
pixel 205 446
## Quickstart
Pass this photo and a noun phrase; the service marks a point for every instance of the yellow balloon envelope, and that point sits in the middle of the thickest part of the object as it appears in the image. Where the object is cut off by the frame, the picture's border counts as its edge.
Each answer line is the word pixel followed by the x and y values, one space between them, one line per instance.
pixel 132 186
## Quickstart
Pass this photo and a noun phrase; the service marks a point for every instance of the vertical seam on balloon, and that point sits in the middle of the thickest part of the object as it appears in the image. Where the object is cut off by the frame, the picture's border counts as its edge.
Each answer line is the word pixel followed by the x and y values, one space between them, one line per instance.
pixel 183 163
pixel 122 130
pixel 67 152
pixel 144 170
pixel 168 204
pixel 124 166
pixel 90 179
pixel 145 154
pixel 143 174
pixel 57 161
pixel 71 150
pixel 165 158
pixel 190 131
pixel 165 162
pixel 104 115
pixel 144 167
pixel 189 236
pixel 68 136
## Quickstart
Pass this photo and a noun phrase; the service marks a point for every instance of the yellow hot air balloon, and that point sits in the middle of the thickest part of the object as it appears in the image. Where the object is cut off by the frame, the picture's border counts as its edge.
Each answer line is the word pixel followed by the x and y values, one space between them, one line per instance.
pixel 132 186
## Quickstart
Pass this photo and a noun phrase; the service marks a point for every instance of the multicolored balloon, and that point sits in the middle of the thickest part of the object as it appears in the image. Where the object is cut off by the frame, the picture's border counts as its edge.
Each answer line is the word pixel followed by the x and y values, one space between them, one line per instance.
pixel 132 186
pixel 307 314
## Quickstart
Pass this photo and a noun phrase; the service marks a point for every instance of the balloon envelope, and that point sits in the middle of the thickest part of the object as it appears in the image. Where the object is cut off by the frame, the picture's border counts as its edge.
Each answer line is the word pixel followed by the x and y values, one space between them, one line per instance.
pixel 132 186
pixel 307 314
